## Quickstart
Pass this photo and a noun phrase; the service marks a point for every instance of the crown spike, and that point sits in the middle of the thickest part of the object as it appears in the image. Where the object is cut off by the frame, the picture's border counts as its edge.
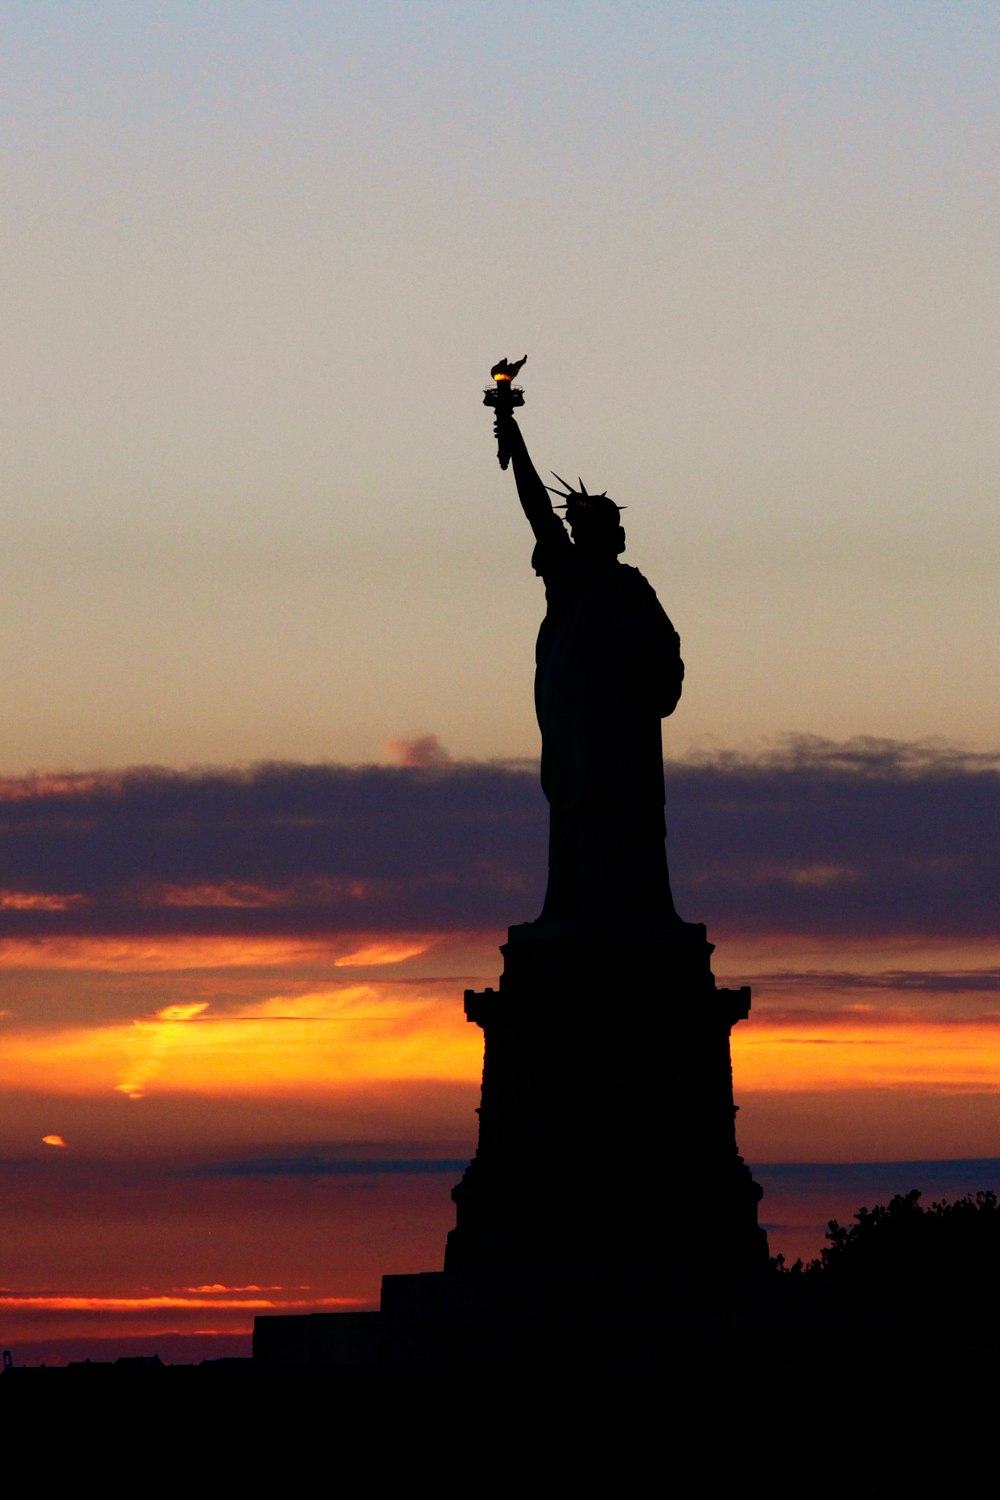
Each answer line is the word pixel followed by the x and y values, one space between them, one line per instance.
pixel 570 496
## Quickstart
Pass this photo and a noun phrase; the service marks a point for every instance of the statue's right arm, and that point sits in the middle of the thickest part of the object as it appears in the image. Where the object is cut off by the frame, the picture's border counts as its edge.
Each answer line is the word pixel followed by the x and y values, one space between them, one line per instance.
pixel 531 492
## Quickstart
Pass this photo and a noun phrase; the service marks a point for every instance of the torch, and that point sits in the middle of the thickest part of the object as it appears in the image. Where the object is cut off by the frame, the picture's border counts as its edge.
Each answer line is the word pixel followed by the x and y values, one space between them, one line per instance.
pixel 503 397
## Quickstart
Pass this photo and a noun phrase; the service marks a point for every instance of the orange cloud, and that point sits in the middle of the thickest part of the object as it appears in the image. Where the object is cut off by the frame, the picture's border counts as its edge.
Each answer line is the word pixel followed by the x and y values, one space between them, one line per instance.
pixel 39 901
pixel 416 754
pixel 53 1140
pixel 219 1287
pixel 389 951
pixel 171 952
pixel 168 953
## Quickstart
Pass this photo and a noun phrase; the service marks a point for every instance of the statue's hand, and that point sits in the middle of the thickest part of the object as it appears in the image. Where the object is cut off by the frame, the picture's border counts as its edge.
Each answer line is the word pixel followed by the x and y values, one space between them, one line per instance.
pixel 504 430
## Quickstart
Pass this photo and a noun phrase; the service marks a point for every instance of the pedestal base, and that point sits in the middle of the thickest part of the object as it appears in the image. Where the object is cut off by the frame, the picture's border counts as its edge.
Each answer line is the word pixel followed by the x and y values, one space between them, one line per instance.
pixel 607 1144
pixel 607 1215
pixel 444 1320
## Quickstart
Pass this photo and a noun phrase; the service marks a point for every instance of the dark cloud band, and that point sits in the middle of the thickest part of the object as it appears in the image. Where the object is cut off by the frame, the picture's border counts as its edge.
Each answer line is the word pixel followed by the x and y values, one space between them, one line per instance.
pixel 871 837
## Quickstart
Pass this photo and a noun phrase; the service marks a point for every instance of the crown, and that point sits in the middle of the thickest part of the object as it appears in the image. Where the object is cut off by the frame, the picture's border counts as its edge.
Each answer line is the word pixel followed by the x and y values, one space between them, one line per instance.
pixel 579 500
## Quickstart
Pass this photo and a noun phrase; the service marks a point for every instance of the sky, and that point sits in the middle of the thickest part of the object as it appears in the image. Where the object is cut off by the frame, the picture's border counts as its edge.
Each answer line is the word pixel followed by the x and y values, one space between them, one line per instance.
pixel 268 774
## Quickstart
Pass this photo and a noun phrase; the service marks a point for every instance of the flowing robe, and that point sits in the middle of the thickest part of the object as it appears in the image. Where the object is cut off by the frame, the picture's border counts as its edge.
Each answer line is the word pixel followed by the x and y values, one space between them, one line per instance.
pixel 608 668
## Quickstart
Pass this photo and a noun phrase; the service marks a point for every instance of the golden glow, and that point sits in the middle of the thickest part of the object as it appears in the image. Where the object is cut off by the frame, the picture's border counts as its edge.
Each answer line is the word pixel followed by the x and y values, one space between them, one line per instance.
pixel 359 1034
pixel 277 1018
pixel 181 1012
pixel 53 1140
pixel 218 1286
pixel 389 951
pixel 154 1304
pixel 808 1053
pixel 378 1033
pixel 316 1042
pixel 498 378
pixel 140 1068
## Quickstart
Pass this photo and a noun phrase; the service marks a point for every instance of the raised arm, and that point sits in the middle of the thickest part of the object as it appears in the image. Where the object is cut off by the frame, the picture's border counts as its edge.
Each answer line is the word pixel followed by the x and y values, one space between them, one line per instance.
pixel 531 492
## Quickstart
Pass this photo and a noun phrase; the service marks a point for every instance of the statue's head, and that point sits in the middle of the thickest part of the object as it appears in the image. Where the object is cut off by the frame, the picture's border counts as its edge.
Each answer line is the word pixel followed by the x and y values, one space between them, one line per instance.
pixel 593 520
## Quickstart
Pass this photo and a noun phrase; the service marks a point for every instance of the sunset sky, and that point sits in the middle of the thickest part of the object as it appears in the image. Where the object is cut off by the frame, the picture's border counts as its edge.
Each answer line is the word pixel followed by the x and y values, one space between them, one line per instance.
pixel 268 785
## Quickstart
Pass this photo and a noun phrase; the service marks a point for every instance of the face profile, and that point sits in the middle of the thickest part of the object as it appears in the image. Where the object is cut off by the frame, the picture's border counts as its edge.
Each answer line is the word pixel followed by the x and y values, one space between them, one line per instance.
pixel 596 535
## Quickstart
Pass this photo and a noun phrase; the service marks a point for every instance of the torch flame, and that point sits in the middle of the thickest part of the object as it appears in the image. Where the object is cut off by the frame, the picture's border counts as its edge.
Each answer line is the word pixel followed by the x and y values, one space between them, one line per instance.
pixel 504 370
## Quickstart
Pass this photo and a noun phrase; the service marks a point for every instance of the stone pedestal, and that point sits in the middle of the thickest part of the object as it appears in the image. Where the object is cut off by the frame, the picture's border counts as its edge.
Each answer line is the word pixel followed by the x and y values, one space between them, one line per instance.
pixel 607 1216
pixel 607 1142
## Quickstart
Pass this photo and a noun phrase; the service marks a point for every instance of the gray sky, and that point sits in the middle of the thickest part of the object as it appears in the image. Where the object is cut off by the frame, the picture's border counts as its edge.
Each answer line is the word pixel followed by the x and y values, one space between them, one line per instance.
pixel 260 258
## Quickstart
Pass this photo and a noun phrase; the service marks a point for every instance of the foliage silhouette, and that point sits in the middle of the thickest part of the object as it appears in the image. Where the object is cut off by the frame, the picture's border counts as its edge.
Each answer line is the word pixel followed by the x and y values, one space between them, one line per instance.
pixel 903 1240
pixel 927 1276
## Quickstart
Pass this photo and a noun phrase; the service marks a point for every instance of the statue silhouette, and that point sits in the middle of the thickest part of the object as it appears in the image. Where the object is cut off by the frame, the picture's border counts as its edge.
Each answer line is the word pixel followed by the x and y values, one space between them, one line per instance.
pixel 606 1041
pixel 608 668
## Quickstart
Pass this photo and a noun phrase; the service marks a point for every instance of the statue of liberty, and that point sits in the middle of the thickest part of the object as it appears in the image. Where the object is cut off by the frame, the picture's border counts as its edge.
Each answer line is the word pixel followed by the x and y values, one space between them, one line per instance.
pixel 608 669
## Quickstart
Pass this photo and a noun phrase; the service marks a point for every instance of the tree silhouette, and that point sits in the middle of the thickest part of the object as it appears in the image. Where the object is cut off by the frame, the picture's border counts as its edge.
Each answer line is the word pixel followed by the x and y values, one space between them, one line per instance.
pixel 931 1274
pixel 902 1239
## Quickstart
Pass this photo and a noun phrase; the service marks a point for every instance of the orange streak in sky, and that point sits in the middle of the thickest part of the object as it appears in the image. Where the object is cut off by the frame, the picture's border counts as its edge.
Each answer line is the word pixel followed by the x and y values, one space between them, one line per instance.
pixel 144 1304
pixel 387 951
pixel 949 1056
pixel 170 952
pixel 374 1034
pixel 357 1034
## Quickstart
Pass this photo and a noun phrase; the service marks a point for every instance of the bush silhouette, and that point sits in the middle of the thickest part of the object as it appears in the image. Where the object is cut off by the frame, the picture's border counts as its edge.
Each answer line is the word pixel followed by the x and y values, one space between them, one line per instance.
pixel 902 1239
pixel 935 1271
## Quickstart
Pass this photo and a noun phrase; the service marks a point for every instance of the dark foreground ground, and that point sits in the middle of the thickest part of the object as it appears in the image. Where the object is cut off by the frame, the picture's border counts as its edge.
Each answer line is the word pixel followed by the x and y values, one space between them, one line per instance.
pixel 804 1414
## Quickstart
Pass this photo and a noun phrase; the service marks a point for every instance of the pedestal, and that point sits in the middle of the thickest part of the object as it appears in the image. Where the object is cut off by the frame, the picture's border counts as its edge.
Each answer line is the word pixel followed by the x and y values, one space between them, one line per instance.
pixel 607 1141
pixel 607 1215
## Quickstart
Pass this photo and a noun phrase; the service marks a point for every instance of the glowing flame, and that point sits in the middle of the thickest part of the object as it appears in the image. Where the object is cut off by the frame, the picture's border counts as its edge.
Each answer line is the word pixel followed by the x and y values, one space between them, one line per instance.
pixel 504 370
